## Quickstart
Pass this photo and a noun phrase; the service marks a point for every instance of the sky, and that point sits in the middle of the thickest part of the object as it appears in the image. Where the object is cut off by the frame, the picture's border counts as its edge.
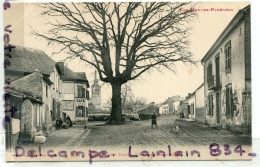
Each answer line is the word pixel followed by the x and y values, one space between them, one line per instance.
pixel 154 86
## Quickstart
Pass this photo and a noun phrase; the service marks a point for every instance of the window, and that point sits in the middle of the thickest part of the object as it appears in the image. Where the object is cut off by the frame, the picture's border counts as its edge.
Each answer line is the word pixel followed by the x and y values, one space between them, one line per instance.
pixel 80 112
pixel 210 104
pixel 81 91
pixel 228 57
pixel 229 102
pixel 209 71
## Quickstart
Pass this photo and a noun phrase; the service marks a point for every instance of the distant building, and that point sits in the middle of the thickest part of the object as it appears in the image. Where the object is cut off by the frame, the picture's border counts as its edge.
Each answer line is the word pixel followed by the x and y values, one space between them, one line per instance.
pixel 147 111
pixel 195 104
pixel 165 108
pixel 183 108
pixel 96 94
pixel 171 104
pixel 227 76
pixel 177 103
pixel 170 101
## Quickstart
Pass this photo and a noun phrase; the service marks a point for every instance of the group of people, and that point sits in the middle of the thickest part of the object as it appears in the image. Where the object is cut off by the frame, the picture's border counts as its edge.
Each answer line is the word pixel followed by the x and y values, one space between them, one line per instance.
pixel 59 122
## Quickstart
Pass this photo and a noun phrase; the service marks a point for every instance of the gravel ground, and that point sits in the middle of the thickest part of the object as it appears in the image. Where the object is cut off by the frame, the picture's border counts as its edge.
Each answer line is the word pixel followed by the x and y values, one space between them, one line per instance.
pixel 140 133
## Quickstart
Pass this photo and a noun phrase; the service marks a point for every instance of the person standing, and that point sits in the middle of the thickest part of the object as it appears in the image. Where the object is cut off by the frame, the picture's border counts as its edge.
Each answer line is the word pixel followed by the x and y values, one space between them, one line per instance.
pixel 68 121
pixel 154 120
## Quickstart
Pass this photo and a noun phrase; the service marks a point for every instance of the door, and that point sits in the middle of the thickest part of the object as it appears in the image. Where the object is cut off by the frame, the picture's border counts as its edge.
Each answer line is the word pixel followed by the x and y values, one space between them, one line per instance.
pixel 63 116
pixel 27 117
pixel 188 109
pixel 218 112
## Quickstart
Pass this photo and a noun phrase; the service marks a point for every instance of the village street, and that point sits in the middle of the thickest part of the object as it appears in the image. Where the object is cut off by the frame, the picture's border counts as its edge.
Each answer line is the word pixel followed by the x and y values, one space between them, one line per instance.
pixel 140 133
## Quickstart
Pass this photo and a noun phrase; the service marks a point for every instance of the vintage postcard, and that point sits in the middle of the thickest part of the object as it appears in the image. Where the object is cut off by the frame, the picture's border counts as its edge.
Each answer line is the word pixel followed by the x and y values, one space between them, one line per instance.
pixel 109 81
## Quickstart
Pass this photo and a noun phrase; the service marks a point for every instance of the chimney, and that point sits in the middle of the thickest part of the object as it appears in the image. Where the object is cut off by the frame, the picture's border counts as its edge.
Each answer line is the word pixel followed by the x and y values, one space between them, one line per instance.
pixel 61 66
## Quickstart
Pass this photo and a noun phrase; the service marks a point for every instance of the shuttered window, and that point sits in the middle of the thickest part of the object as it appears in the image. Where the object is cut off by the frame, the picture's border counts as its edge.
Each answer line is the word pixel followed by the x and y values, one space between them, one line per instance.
pixel 210 105
pixel 209 70
pixel 228 57
pixel 81 91
pixel 229 103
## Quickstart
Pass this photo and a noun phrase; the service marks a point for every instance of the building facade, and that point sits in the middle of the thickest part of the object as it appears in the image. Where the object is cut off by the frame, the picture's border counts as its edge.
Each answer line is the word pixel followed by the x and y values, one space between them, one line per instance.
pixel 34 90
pixel 165 108
pixel 200 105
pixel 191 99
pixel 75 94
pixel 227 76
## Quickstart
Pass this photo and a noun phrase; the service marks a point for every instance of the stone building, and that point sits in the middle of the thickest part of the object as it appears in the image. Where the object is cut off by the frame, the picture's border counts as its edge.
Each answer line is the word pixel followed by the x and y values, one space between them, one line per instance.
pixel 34 113
pixel 227 76
pixel 34 89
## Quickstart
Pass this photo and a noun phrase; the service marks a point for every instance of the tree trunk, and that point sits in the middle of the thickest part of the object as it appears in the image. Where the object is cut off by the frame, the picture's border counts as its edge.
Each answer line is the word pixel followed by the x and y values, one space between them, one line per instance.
pixel 116 113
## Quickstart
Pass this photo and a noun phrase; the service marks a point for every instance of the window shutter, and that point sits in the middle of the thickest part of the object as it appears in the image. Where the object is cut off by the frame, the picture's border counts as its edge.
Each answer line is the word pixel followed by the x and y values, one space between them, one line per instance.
pixel 209 72
pixel 231 103
pixel 79 91
pixel 87 94
pixel 211 106
pixel 83 92
pixel 227 102
pixel 226 59
pixel 230 61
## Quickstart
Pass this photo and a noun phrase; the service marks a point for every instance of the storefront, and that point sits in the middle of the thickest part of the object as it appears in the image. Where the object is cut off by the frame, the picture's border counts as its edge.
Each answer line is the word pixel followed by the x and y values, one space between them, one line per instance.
pixel 81 109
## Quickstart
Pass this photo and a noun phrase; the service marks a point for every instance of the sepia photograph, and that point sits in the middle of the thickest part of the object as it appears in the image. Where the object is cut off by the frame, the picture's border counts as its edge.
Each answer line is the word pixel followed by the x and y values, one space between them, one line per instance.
pixel 109 81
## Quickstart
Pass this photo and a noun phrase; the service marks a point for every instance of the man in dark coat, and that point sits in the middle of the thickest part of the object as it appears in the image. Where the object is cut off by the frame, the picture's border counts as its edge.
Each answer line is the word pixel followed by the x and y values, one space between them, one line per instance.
pixel 59 123
pixel 68 121
pixel 154 120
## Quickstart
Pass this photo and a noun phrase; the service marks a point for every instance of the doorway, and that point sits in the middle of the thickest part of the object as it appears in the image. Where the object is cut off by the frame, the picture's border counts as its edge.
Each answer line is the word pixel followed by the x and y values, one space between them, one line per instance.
pixel 218 111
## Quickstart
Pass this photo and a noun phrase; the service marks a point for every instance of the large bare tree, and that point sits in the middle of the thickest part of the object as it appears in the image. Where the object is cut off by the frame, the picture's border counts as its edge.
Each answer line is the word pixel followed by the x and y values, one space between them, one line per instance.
pixel 121 40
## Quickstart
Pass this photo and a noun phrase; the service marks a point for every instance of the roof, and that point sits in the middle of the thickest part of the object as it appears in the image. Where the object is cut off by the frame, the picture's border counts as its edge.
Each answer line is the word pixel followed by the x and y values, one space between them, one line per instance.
pixel 69 75
pixel 27 60
pixel 149 105
pixel 229 27
pixel 193 93
pixel 24 95
pixel 82 74
pixel 31 84
pixel 190 95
